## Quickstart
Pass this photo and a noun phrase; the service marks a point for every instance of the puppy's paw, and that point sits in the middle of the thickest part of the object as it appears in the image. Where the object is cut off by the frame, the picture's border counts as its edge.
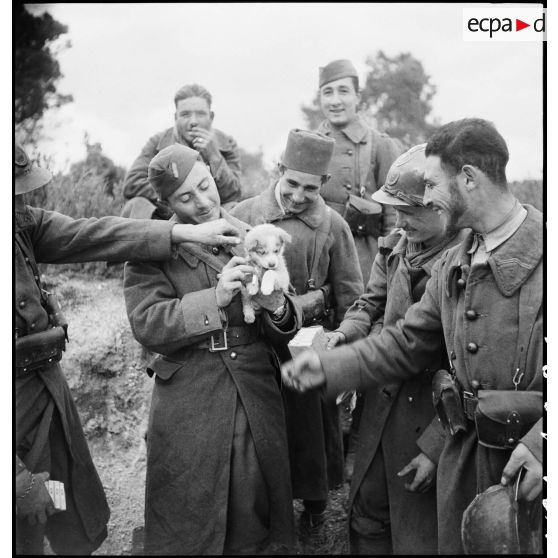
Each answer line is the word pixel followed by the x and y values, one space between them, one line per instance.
pixel 249 315
pixel 268 282
pixel 252 287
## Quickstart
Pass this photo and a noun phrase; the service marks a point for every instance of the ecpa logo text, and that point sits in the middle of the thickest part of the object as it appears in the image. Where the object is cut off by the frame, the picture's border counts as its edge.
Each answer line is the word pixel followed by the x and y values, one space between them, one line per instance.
pixel 495 24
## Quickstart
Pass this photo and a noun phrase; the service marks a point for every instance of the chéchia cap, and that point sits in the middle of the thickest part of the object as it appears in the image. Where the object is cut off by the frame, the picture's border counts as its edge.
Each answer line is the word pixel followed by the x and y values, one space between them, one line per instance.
pixel 169 169
pixel 336 70
pixel 405 180
pixel 308 152
pixel 28 177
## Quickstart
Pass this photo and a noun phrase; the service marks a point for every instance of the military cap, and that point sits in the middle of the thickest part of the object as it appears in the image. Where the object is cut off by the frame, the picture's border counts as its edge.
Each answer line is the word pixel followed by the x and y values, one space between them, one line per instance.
pixel 308 152
pixel 169 169
pixel 28 177
pixel 336 70
pixel 405 180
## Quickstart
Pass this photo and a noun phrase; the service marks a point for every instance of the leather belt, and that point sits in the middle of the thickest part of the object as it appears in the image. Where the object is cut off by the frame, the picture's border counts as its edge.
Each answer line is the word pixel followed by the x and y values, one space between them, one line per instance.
pixel 232 337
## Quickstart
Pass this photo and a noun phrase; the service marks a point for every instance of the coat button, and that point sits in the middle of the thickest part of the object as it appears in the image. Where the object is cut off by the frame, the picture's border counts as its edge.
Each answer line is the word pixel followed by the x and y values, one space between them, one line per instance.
pixel 410 399
pixel 348 186
pixel 471 315
pixel 233 355
pixel 215 250
pixel 349 151
pixel 472 347
pixel 461 283
pixel 475 384
pixel 33 326
pixel 360 228
pixel 22 303
pixel 206 321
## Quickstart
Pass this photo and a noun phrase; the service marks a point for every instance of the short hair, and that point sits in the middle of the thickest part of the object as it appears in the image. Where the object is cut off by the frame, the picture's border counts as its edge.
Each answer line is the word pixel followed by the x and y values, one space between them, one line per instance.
pixel 471 141
pixel 193 90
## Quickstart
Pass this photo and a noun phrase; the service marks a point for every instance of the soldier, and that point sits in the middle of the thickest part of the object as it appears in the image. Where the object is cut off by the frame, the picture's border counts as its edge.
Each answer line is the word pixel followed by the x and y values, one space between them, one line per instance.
pixel 193 120
pixel 361 159
pixel 49 437
pixel 217 458
pixel 398 433
pixel 484 300
pixel 324 271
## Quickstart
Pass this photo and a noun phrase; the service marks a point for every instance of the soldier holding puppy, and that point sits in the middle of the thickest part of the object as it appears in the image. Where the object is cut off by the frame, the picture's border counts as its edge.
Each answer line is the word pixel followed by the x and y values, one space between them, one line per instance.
pixel 217 462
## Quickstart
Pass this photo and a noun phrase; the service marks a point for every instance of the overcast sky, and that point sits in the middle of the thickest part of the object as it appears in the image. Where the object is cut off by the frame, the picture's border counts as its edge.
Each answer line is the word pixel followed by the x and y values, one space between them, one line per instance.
pixel 260 62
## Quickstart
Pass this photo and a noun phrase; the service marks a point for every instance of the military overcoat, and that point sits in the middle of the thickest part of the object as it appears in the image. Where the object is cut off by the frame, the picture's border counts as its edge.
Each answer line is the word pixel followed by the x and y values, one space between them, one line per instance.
pixel 477 312
pixel 361 160
pixel 315 444
pixel 42 397
pixel 172 308
pixel 398 417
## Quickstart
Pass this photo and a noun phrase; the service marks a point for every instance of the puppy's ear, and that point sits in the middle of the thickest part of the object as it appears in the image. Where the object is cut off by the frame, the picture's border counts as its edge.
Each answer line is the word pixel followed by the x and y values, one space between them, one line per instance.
pixel 284 235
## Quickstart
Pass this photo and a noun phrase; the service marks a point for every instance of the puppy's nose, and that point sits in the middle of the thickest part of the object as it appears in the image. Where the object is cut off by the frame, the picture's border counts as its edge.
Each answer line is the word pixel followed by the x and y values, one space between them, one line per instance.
pixel 271 264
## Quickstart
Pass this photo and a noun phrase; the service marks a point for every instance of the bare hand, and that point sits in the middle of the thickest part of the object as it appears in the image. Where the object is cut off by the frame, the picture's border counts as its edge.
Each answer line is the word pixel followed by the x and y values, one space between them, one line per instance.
pixel 304 372
pixel 531 485
pixel 232 276
pixel 272 301
pixel 37 504
pixel 203 141
pixel 334 338
pixel 215 233
pixel 425 473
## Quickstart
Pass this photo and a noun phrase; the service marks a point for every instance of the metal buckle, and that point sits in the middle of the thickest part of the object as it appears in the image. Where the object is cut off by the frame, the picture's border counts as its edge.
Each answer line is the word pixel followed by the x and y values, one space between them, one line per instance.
pixel 217 345
pixel 469 404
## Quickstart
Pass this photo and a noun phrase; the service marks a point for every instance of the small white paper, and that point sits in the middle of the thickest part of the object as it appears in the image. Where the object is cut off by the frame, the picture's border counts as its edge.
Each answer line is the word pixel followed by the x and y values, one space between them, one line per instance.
pixel 57 493
pixel 304 339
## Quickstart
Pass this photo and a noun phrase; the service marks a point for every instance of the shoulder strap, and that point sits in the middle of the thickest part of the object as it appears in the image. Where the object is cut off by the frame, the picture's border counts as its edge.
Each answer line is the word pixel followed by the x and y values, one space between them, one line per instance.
pixel 322 234
pixel 530 302
pixel 23 241
pixel 366 154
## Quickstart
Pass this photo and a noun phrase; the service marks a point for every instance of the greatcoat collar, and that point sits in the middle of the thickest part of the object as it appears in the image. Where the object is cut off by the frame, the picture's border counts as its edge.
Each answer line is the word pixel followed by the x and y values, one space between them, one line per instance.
pixel 513 261
pixel 356 130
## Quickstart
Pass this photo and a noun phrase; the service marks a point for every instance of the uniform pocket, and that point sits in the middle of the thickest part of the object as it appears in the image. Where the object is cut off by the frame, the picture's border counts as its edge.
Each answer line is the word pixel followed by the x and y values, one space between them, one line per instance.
pixel 163 367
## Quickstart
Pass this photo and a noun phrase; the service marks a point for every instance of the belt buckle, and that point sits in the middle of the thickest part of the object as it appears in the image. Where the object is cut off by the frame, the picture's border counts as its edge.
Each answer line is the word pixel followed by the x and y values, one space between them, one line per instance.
pixel 469 404
pixel 218 345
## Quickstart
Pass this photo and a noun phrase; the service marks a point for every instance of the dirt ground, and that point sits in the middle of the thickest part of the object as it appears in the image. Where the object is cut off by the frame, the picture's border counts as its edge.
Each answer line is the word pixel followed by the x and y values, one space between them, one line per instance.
pixel 105 368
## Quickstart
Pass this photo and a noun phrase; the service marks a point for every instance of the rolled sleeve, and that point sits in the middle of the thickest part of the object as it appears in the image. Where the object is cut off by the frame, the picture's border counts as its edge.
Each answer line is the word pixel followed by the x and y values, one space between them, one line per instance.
pixel 534 440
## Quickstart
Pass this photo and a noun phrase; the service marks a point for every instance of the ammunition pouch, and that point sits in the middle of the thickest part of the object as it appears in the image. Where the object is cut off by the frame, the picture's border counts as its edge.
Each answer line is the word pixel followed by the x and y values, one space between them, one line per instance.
pixel 503 417
pixel 315 304
pixel 364 217
pixel 37 350
pixel 447 402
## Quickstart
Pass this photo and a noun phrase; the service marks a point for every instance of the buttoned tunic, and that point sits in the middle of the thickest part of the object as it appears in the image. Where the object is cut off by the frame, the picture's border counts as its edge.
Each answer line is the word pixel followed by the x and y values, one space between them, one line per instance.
pixel 398 417
pixel 361 160
pixel 225 171
pixel 315 443
pixel 42 397
pixel 205 405
pixel 477 311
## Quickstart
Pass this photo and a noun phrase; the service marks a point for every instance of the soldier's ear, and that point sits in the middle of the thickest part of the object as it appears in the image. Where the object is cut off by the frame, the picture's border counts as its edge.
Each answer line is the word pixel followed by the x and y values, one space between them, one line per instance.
pixel 325 178
pixel 211 116
pixel 471 175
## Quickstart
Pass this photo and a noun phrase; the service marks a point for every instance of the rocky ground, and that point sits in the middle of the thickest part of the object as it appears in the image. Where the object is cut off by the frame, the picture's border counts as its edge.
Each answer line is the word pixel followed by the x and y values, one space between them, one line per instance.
pixel 105 368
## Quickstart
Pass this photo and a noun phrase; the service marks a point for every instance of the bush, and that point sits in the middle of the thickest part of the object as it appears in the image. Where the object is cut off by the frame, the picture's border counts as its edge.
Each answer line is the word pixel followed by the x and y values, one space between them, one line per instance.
pixel 528 191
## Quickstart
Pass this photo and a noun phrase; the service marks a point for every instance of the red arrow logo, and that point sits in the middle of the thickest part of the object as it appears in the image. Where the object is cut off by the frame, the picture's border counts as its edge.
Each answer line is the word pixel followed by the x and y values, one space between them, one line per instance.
pixel 519 25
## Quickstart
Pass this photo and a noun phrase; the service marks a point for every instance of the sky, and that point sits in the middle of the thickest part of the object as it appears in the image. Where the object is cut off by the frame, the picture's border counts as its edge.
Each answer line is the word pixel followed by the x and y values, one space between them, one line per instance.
pixel 260 62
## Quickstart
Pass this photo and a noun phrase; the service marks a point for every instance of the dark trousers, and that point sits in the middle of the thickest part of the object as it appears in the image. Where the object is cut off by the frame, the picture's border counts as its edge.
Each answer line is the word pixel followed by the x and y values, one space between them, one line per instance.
pixel 370 530
pixel 64 530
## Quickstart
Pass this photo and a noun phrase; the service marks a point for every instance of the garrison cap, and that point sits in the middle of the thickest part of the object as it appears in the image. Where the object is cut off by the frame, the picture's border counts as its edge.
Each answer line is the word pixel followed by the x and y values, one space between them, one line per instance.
pixel 308 152
pixel 169 169
pixel 405 180
pixel 28 177
pixel 336 70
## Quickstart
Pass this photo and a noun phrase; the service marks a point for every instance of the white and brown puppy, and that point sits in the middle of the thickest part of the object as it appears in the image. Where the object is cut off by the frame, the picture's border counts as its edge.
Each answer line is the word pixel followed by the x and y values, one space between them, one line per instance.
pixel 264 245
